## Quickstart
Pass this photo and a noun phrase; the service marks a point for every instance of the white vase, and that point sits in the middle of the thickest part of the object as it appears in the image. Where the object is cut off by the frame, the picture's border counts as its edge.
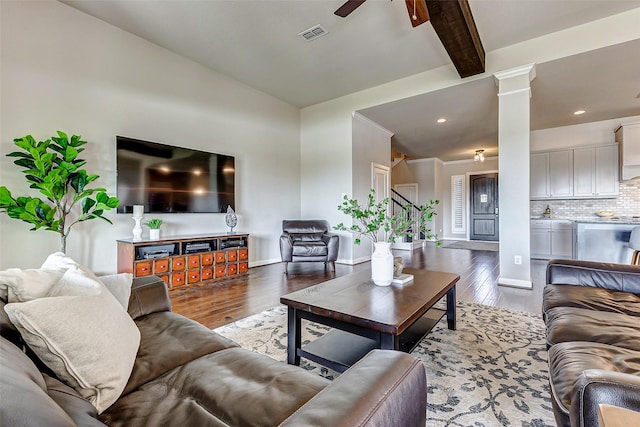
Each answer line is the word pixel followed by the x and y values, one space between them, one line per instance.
pixel 382 264
pixel 154 234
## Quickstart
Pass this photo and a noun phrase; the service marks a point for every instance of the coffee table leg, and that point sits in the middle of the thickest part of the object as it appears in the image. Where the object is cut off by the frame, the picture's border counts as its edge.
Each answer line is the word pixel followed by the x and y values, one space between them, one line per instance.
pixel 294 340
pixel 451 308
pixel 389 342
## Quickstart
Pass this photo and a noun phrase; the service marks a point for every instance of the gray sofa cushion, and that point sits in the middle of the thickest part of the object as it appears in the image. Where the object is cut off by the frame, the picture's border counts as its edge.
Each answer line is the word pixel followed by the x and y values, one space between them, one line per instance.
pixel 310 226
pixel 168 340
pixel 318 248
pixel 79 409
pixel 568 360
pixel 590 298
pixel 306 237
pixel 234 387
pixel 25 401
pixel 579 324
pixel 7 328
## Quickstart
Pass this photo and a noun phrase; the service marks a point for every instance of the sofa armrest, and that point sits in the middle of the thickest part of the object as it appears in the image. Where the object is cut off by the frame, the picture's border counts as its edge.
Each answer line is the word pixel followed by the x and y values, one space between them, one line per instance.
pixel 385 388
pixel 333 241
pixel 597 386
pixel 286 247
pixel 619 277
pixel 149 294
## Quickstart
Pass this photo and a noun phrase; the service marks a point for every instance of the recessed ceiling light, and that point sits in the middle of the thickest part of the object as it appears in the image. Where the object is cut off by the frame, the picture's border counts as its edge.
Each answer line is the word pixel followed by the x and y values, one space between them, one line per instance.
pixel 442 120
pixel 577 113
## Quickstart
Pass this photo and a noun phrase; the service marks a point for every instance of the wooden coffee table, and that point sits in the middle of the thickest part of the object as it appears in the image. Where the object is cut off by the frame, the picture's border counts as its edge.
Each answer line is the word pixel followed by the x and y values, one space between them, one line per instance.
pixel 365 316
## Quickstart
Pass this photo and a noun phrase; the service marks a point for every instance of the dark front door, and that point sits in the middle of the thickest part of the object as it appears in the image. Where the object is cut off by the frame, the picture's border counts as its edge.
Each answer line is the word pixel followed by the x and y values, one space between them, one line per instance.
pixel 484 207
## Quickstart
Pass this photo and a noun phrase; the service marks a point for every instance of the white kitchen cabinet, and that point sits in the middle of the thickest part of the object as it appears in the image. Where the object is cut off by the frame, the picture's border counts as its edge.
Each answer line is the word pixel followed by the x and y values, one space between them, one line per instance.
pixel 595 172
pixel 540 238
pixel 628 136
pixel 560 174
pixel 579 173
pixel 539 182
pixel 561 239
pixel 551 175
pixel 551 238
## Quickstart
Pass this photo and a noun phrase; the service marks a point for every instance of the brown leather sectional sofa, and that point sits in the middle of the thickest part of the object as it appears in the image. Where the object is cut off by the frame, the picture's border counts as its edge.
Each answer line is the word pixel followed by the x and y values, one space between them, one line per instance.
pixel 186 375
pixel 592 315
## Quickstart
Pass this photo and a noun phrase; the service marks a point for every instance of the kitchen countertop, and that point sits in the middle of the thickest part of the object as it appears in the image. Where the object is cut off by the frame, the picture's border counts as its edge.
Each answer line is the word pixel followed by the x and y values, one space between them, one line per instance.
pixel 597 220
pixel 614 220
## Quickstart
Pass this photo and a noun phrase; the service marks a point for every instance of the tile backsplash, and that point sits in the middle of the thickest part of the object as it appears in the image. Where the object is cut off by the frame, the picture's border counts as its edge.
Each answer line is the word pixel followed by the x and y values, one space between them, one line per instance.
pixel 627 204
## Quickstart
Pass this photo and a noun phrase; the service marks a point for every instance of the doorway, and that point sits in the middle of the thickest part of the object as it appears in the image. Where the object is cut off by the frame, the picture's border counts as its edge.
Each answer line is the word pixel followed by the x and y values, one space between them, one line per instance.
pixel 483 204
pixel 380 180
pixel 408 191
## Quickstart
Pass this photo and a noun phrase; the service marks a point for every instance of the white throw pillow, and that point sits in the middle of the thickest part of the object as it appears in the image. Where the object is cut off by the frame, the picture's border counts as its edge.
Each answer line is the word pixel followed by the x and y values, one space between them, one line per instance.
pixel 60 261
pixel 75 282
pixel 120 286
pixel 18 285
pixel 88 340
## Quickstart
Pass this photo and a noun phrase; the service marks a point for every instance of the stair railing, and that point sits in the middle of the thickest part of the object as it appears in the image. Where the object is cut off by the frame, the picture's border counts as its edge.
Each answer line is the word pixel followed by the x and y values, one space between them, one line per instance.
pixel 399 205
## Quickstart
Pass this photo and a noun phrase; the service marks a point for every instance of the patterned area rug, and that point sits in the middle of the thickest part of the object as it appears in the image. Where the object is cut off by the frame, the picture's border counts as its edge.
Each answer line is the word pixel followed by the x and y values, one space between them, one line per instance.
pixel 491 371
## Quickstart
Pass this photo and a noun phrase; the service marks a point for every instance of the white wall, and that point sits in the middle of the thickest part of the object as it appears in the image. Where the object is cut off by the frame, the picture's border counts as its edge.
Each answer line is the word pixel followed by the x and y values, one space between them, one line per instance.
pixel 594 133
pixel 425 172
pixel 329 124
pixel 434 182
pixel 62 69
pixel 371 144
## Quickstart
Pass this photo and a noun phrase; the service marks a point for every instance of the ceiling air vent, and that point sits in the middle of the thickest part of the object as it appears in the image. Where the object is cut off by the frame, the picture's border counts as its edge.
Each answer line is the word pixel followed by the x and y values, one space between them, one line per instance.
pixel 313 33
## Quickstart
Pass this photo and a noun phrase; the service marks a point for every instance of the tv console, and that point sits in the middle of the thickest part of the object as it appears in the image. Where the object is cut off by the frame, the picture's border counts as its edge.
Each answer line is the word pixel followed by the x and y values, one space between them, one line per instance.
pixel 186 260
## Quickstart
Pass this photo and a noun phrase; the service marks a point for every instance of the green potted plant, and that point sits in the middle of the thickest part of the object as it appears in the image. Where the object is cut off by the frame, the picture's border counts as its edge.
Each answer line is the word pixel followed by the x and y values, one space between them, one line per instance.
pixel 154 225
pixel 375 222
pixel 53 168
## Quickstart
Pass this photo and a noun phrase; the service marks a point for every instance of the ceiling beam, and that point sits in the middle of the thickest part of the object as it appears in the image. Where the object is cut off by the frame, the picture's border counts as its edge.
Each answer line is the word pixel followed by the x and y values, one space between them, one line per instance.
pixel 453 22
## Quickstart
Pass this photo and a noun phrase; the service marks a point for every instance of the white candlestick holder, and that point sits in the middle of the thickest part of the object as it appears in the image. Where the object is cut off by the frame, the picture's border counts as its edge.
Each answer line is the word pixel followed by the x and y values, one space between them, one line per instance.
pixel 137 229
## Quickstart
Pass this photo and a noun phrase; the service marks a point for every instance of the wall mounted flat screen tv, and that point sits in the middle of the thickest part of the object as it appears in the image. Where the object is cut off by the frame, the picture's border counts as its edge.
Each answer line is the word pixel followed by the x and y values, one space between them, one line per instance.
pixel 168 179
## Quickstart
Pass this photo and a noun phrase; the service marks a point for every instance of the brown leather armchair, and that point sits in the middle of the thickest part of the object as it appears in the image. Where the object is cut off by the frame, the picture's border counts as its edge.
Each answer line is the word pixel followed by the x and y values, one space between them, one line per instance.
pixel 308 241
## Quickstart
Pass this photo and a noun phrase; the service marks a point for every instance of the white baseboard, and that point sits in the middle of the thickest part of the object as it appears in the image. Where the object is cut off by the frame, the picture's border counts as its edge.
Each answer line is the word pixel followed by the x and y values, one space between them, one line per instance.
pixel 515 283
pixel 345 261
pixel 408 246
pixel 262 262
pixel 361 260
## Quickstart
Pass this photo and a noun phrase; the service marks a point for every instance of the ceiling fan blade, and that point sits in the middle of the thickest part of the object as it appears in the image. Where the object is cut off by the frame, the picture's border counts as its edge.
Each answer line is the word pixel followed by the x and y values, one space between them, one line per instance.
pixel 420 8
pixel 348 7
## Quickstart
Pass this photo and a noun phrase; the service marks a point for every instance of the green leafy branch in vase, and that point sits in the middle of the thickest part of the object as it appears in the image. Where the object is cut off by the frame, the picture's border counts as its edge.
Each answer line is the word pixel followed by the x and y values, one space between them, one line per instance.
pixel 53 168
pixel 374 218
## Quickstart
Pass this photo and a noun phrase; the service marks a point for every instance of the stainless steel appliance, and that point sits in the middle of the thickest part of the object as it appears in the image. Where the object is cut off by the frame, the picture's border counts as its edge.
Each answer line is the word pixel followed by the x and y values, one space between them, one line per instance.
pixel 605 241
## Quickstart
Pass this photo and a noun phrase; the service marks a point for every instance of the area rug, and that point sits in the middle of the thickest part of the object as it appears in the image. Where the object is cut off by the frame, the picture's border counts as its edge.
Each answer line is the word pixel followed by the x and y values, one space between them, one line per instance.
pixel 491 371
pixel 473 245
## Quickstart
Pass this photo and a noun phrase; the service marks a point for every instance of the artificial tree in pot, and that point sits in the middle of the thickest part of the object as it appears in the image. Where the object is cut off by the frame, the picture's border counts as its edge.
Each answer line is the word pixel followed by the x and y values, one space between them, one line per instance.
pixel 375 222
pixel 54 169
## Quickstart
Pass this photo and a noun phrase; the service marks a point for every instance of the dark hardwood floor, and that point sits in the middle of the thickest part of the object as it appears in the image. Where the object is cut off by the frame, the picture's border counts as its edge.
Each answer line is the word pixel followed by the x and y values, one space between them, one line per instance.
pixel 220 303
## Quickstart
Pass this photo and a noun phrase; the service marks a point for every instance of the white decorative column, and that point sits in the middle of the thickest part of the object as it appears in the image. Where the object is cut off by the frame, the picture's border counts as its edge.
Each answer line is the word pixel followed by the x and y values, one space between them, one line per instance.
pixel 514 92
